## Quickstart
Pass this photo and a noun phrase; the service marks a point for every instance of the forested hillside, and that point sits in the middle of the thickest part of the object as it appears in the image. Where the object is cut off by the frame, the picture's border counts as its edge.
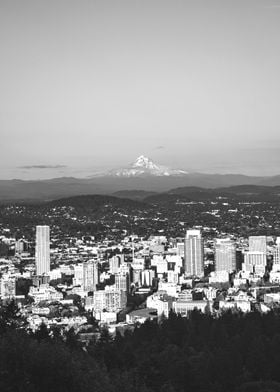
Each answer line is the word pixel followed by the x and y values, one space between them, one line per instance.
pixel 235 352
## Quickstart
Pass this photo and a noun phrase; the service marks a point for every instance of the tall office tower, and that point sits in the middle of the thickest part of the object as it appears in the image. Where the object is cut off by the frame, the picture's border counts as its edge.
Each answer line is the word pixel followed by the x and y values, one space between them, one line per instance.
pixel 90 275
pixel 225 255
pixel 257 243
pixel 122 281
pixel 115 299
pixel 255 262
pixel 99 300
pixel 110 299
pixel 42 252
pixel 194 253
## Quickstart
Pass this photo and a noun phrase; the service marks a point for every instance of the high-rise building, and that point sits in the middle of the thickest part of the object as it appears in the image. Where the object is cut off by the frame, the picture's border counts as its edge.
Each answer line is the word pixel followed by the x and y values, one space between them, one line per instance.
pixel 86 275
pixel 194 253
pixel 257 243
pixel 42 252
pixel 122 281
pixel 110 300
pixel 225 255
pixel 255 262
pixel 90 275
pixel 115 300
pixel 99 300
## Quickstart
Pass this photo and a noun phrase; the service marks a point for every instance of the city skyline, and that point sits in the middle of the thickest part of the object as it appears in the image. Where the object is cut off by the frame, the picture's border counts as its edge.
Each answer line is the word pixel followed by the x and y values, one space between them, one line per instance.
pixel 92 85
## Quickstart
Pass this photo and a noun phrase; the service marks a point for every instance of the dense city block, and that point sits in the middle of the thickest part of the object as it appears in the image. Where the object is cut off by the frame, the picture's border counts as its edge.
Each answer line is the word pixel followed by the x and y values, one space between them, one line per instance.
pixel 118 261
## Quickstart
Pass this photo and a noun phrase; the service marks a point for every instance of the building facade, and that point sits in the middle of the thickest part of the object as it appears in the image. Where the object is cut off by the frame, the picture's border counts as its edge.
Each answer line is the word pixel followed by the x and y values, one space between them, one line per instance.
pixel 194 253
pixel 42 252
pixel 257 243
pixel 225 255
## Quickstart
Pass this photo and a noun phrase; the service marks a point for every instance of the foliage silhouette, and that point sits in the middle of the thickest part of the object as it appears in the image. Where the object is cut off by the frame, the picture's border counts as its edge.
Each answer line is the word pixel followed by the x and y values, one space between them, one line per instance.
pixel 235 353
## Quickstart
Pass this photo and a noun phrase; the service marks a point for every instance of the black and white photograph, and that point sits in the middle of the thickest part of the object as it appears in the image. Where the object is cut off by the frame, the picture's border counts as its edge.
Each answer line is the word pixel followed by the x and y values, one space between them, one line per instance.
pixel 140 195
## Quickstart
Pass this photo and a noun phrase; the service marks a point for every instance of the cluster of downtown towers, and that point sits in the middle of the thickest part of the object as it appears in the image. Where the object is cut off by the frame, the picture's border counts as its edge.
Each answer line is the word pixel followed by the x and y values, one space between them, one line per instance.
pixel 192 251
pixel 193 265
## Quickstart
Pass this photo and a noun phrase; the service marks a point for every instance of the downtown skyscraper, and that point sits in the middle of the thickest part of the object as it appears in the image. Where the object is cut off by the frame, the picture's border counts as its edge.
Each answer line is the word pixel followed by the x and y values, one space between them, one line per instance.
pixel 194 253
pixel 90 275
pixel 225 255
pixel 257 243
pixel 42 252
pixel 255 260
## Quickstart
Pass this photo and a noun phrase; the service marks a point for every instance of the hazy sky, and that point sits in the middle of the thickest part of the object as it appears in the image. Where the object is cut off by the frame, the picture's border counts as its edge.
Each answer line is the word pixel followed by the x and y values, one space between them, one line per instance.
pixel 91 84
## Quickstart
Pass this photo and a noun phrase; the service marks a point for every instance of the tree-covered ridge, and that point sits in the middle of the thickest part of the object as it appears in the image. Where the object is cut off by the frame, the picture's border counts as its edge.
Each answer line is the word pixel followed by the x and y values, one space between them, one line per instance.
pixel 235 352
pixel 200 353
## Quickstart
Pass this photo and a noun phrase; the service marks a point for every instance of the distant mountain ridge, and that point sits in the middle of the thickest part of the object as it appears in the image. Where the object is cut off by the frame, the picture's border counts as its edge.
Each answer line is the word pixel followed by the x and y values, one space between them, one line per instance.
pixel 142 176
pixel 245 193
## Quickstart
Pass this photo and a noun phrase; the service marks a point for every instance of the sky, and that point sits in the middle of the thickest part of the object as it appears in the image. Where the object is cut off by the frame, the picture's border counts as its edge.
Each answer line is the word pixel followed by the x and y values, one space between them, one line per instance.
pixel 87 85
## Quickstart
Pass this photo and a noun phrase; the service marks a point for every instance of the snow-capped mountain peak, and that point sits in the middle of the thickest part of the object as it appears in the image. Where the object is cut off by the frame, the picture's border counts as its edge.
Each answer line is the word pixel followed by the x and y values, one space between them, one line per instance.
pixel 145 162
pixel 144 166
